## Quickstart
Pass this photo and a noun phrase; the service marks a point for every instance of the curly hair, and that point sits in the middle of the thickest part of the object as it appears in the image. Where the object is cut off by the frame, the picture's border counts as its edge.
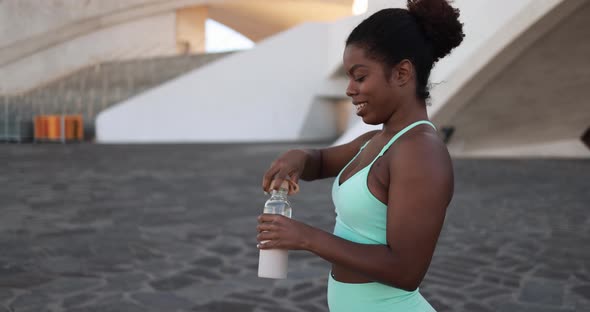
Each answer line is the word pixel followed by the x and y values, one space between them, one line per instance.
pixel 423 33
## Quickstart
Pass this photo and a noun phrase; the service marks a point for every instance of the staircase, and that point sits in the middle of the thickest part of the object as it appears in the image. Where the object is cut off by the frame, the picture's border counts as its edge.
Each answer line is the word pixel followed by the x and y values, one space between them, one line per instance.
pixel 90 90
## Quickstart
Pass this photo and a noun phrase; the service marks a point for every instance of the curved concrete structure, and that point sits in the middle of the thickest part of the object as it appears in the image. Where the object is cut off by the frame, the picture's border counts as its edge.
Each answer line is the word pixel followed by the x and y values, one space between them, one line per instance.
pixel 532 98
pixel 59 27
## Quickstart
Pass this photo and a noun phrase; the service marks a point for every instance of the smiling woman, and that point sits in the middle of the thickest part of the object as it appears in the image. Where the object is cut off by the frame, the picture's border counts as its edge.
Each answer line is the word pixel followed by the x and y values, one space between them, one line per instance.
pixel 392 186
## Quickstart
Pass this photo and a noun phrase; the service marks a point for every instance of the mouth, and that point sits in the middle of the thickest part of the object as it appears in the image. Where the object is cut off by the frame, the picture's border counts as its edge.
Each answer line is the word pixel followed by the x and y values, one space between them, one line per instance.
pixel 360 107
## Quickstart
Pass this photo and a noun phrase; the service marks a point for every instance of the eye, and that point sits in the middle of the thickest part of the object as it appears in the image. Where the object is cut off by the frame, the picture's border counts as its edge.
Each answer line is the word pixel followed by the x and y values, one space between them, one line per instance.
pixel 360 79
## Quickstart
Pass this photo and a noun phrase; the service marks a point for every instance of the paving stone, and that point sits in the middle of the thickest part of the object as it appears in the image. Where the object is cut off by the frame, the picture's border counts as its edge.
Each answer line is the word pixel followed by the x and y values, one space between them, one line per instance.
pixel 302 286
pixel 544 292
pixel 226 250
pixel 451 294
pixel 476 307
pixel 551 274
pixel 254 298
pixel 62 264
pixel 279 309
pixel 15 277
pixel 311 308
pixel 583 291
pixel 229 270
pixel 439 306
pixel 172 283
pixel 208 262
pixel 30 301
pixel 204 273
pixel 116 306
pixel 66 286
pixel 224 306
pixel 77 300
pixel 5 294
pixel 162 301
pixel 484 292
pixel 520 307
pixel 310 294
pixel 280 292
pixel 126 282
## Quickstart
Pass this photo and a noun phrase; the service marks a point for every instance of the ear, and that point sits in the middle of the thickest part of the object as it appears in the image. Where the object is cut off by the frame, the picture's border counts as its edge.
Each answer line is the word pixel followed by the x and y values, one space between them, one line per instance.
pixel 403 72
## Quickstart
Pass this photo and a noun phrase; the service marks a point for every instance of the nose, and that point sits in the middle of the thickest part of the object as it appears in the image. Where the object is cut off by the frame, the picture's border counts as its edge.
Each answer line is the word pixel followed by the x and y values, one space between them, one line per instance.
pixel 351 89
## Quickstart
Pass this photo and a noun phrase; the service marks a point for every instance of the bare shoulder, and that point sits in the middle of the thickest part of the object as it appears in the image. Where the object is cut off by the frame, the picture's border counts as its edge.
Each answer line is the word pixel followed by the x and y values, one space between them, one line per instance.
pixel 422 155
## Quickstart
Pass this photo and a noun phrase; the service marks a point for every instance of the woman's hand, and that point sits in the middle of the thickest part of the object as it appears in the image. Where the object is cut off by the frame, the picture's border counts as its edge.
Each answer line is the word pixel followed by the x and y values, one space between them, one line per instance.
pixel 280 232
pixel 289 165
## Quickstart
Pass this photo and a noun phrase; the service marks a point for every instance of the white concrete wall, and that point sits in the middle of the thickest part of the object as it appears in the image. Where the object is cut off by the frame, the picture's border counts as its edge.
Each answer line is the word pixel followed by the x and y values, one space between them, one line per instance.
pixel 29 27
pixel 21 19
pixel 263 94
pixel 147 37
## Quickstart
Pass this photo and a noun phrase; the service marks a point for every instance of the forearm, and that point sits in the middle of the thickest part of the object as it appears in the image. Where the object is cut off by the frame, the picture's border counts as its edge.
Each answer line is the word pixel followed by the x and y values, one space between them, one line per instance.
pixel 376 262
pixel 313 165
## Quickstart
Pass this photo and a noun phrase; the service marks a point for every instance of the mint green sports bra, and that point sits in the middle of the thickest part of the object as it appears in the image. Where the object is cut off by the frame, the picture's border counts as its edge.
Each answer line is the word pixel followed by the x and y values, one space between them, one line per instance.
pixel 360 216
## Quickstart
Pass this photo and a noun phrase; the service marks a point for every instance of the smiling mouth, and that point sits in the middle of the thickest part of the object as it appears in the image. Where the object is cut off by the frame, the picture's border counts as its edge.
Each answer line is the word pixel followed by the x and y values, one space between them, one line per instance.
pixel 360 106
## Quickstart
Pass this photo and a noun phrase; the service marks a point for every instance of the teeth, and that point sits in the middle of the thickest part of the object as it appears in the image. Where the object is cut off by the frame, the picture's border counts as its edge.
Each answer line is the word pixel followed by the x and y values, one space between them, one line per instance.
pixel 360 106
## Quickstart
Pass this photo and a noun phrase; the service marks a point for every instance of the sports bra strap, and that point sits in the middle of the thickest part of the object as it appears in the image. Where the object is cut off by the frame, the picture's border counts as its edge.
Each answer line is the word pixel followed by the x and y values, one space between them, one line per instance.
pixel 399 134
pixel 365 145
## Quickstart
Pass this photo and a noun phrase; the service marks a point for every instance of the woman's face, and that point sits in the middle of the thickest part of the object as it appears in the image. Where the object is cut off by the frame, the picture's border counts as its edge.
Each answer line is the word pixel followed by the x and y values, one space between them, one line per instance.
pixel 372 93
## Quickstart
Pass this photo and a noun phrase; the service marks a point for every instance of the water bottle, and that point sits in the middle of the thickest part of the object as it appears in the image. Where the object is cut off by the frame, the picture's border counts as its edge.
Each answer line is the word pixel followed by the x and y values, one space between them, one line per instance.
pixel 272 263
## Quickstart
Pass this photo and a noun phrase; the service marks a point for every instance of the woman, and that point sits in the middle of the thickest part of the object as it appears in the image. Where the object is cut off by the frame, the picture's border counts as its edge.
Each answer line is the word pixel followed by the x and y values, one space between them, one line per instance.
pixel 392 186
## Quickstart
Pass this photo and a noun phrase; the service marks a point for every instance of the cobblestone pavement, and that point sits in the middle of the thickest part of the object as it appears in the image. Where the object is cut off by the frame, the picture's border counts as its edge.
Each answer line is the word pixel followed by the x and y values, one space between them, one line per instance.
pixel 87 228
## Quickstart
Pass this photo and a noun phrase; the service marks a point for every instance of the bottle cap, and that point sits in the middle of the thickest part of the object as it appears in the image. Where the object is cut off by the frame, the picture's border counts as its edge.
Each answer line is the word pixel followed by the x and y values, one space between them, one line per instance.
pixel 285 185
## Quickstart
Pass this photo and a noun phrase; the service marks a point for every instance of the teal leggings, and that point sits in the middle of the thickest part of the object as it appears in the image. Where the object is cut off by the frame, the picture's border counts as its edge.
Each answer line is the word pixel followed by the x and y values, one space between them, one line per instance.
pixel 373 297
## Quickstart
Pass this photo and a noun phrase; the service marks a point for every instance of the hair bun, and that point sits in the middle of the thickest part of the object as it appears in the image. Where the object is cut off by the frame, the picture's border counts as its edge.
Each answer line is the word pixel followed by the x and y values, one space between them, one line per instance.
pixel 440 23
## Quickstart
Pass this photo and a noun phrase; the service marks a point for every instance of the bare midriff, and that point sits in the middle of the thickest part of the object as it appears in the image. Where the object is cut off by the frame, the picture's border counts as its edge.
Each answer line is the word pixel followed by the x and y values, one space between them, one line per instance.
pixel 345 275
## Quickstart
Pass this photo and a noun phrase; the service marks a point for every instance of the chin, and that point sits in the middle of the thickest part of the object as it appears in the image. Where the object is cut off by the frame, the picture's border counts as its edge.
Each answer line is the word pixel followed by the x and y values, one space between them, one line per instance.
pixel 371 121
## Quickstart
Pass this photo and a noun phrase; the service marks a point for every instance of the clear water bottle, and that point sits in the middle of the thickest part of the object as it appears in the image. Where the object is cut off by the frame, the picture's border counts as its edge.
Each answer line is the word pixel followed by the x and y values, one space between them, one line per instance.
pixel 272 263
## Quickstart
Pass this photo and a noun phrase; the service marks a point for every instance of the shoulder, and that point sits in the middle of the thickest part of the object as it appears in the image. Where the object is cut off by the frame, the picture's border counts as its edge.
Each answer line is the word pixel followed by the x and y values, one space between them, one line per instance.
pixel 421 153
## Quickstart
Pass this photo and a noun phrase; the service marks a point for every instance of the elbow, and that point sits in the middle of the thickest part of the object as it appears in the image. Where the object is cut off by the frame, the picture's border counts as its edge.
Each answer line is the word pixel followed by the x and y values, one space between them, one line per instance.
pixel 408 283
pixel 404 273
pixel 409 286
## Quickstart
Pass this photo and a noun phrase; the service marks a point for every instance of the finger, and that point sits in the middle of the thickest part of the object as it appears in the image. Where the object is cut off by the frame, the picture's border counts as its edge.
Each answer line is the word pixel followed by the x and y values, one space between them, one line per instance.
pixel 267 226
pixel 295 177
pixel 278 179
pixel 269 244
pixel 268 177
pixel 293 186
pixel 266 236
pixel 268 217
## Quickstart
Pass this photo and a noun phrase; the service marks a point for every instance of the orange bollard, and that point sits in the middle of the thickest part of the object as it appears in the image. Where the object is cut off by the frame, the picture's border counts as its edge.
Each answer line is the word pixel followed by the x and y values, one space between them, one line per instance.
pixel 74 129
pixel 38 122
pixel 53 127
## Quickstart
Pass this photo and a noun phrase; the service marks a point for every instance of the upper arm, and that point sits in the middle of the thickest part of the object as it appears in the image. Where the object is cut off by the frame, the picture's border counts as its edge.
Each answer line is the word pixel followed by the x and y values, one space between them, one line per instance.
pixel 420 189
pixel 336 157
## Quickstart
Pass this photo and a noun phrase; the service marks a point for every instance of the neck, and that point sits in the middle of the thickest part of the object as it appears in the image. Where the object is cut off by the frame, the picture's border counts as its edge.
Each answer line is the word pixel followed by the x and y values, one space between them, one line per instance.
pixel 407 113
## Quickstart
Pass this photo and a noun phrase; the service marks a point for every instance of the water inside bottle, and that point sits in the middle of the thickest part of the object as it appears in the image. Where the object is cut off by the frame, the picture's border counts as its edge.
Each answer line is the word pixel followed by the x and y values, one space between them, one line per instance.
pixel 278 206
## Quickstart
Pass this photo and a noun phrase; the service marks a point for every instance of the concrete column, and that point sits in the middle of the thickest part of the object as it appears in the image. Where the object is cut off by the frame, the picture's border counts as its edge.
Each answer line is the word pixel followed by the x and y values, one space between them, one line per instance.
pixel 190 29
